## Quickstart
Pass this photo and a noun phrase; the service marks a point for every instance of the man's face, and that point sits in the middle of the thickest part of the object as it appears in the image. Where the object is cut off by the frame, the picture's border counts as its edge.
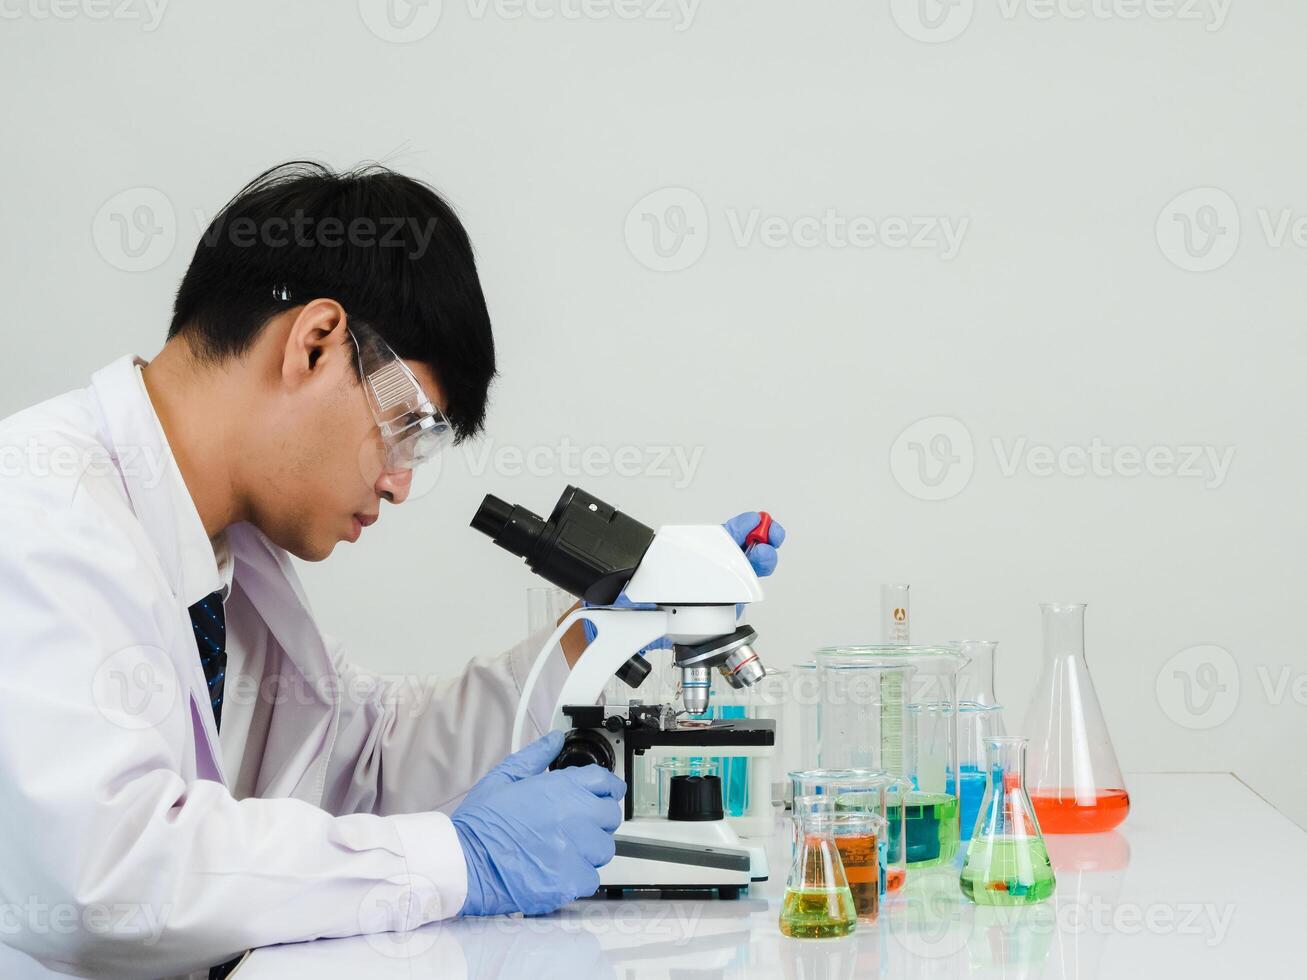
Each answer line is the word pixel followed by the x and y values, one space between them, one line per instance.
pixel 330 477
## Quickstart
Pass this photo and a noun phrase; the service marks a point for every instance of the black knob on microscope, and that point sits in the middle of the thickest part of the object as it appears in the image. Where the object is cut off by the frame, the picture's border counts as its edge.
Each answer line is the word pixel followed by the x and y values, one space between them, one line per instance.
pixel 695 798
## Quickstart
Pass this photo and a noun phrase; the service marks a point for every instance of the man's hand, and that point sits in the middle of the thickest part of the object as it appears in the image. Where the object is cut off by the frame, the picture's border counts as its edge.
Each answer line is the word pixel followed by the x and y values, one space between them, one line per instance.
pixel 533 840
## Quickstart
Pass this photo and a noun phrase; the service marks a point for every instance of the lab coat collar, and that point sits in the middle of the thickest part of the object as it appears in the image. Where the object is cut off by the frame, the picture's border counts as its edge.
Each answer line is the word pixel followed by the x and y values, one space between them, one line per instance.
pixel 154 482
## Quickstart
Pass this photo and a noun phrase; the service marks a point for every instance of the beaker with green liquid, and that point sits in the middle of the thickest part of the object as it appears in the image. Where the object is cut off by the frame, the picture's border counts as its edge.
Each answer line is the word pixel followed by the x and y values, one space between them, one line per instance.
pixel 893 707
pixel 1007 862
pixel 818 902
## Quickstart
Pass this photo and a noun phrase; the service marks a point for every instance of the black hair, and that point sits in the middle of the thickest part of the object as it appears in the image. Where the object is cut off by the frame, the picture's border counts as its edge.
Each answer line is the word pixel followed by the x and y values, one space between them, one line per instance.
pixel 384 246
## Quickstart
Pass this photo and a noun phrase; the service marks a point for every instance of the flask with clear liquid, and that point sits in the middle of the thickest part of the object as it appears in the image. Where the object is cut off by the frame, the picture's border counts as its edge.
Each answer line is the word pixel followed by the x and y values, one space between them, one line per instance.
pixel 818 903
pixel 1075 781
pixel 1007 862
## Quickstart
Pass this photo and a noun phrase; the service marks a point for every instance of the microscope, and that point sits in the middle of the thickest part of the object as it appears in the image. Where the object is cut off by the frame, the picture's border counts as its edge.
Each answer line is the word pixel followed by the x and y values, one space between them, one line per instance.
pixel 684 582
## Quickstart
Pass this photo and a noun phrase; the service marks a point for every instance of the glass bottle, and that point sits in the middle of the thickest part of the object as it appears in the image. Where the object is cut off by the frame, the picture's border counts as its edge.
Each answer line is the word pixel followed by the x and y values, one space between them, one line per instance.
pixel 1075 780
pixel 818 903
pixel 1007 862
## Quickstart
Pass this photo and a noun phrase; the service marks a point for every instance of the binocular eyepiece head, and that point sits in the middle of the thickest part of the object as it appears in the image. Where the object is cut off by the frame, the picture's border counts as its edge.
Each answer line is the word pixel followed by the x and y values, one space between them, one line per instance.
pixel 586 547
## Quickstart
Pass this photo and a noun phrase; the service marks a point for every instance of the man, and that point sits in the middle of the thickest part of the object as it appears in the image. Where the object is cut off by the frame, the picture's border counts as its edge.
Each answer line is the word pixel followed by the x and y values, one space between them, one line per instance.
pixel 329 335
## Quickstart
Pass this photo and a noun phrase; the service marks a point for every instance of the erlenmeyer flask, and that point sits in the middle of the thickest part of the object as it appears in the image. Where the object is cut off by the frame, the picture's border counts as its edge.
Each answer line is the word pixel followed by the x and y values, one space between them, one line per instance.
pixel 818 903
pixel 1075 781
pixel 1007 863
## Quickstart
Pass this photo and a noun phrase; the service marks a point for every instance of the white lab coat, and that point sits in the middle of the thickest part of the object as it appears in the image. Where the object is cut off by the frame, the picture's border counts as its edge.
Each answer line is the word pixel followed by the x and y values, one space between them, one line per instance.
pixel 123 852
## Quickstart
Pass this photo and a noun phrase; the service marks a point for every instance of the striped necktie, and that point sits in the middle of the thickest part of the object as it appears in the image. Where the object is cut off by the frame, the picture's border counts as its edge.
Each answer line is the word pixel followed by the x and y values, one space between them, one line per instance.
pixel 210 627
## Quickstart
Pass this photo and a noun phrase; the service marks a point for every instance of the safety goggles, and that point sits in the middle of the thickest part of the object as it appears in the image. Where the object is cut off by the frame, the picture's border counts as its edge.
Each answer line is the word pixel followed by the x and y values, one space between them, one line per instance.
pixel 412 428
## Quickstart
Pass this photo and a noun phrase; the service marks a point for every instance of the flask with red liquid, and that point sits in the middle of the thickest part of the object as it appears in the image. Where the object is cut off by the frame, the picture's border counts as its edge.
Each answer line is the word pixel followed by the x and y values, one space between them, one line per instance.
pixel 1075 782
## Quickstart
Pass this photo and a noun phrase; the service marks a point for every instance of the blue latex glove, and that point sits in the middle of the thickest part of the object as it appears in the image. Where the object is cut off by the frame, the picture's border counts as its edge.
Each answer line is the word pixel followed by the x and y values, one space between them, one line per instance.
pixel 526 761
pixel 532 841
pixel 762 557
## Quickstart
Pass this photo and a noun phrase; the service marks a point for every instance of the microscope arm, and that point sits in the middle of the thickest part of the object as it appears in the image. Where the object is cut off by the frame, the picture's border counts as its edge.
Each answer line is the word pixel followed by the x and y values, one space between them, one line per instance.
pixel 621 632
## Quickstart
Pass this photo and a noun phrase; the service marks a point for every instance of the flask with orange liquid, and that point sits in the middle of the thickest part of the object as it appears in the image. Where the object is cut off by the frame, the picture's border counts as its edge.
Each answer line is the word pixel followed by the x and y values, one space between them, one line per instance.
pixel 1075 783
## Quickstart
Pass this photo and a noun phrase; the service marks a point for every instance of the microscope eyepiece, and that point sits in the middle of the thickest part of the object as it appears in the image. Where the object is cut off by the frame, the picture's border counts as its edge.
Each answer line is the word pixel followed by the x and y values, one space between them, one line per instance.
pixel 587 547
pixel 514 529
pixel 492 515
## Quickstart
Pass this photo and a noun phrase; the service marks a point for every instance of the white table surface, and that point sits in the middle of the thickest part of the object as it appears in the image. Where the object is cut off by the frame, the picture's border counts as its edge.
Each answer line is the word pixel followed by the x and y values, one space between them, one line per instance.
pixel 1204 879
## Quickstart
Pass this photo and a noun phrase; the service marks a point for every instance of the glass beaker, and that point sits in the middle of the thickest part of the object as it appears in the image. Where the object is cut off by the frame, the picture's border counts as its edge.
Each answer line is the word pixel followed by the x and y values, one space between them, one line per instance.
pixel 977 723
pixel 926 754
pixel 867 791
pixel 862 712
pixel 1007 862
pixel 976 679
pixel 818 903
pixel 1075 784
pixel 857 838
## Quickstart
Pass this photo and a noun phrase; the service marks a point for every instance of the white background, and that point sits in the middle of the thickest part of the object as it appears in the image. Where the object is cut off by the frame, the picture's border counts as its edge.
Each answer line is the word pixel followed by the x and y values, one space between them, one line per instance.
pixel 1061 136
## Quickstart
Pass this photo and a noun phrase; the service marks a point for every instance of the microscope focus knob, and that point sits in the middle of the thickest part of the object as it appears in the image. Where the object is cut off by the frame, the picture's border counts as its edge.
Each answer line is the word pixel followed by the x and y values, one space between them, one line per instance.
pixel 695 798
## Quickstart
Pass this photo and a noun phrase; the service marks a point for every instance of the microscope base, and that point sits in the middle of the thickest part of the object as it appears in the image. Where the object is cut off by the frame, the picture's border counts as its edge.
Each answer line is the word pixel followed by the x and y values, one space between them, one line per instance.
pixel 670 856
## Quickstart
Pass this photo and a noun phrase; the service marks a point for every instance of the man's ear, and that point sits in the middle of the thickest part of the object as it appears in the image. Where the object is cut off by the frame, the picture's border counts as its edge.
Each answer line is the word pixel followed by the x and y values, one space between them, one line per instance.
pixel 317 338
